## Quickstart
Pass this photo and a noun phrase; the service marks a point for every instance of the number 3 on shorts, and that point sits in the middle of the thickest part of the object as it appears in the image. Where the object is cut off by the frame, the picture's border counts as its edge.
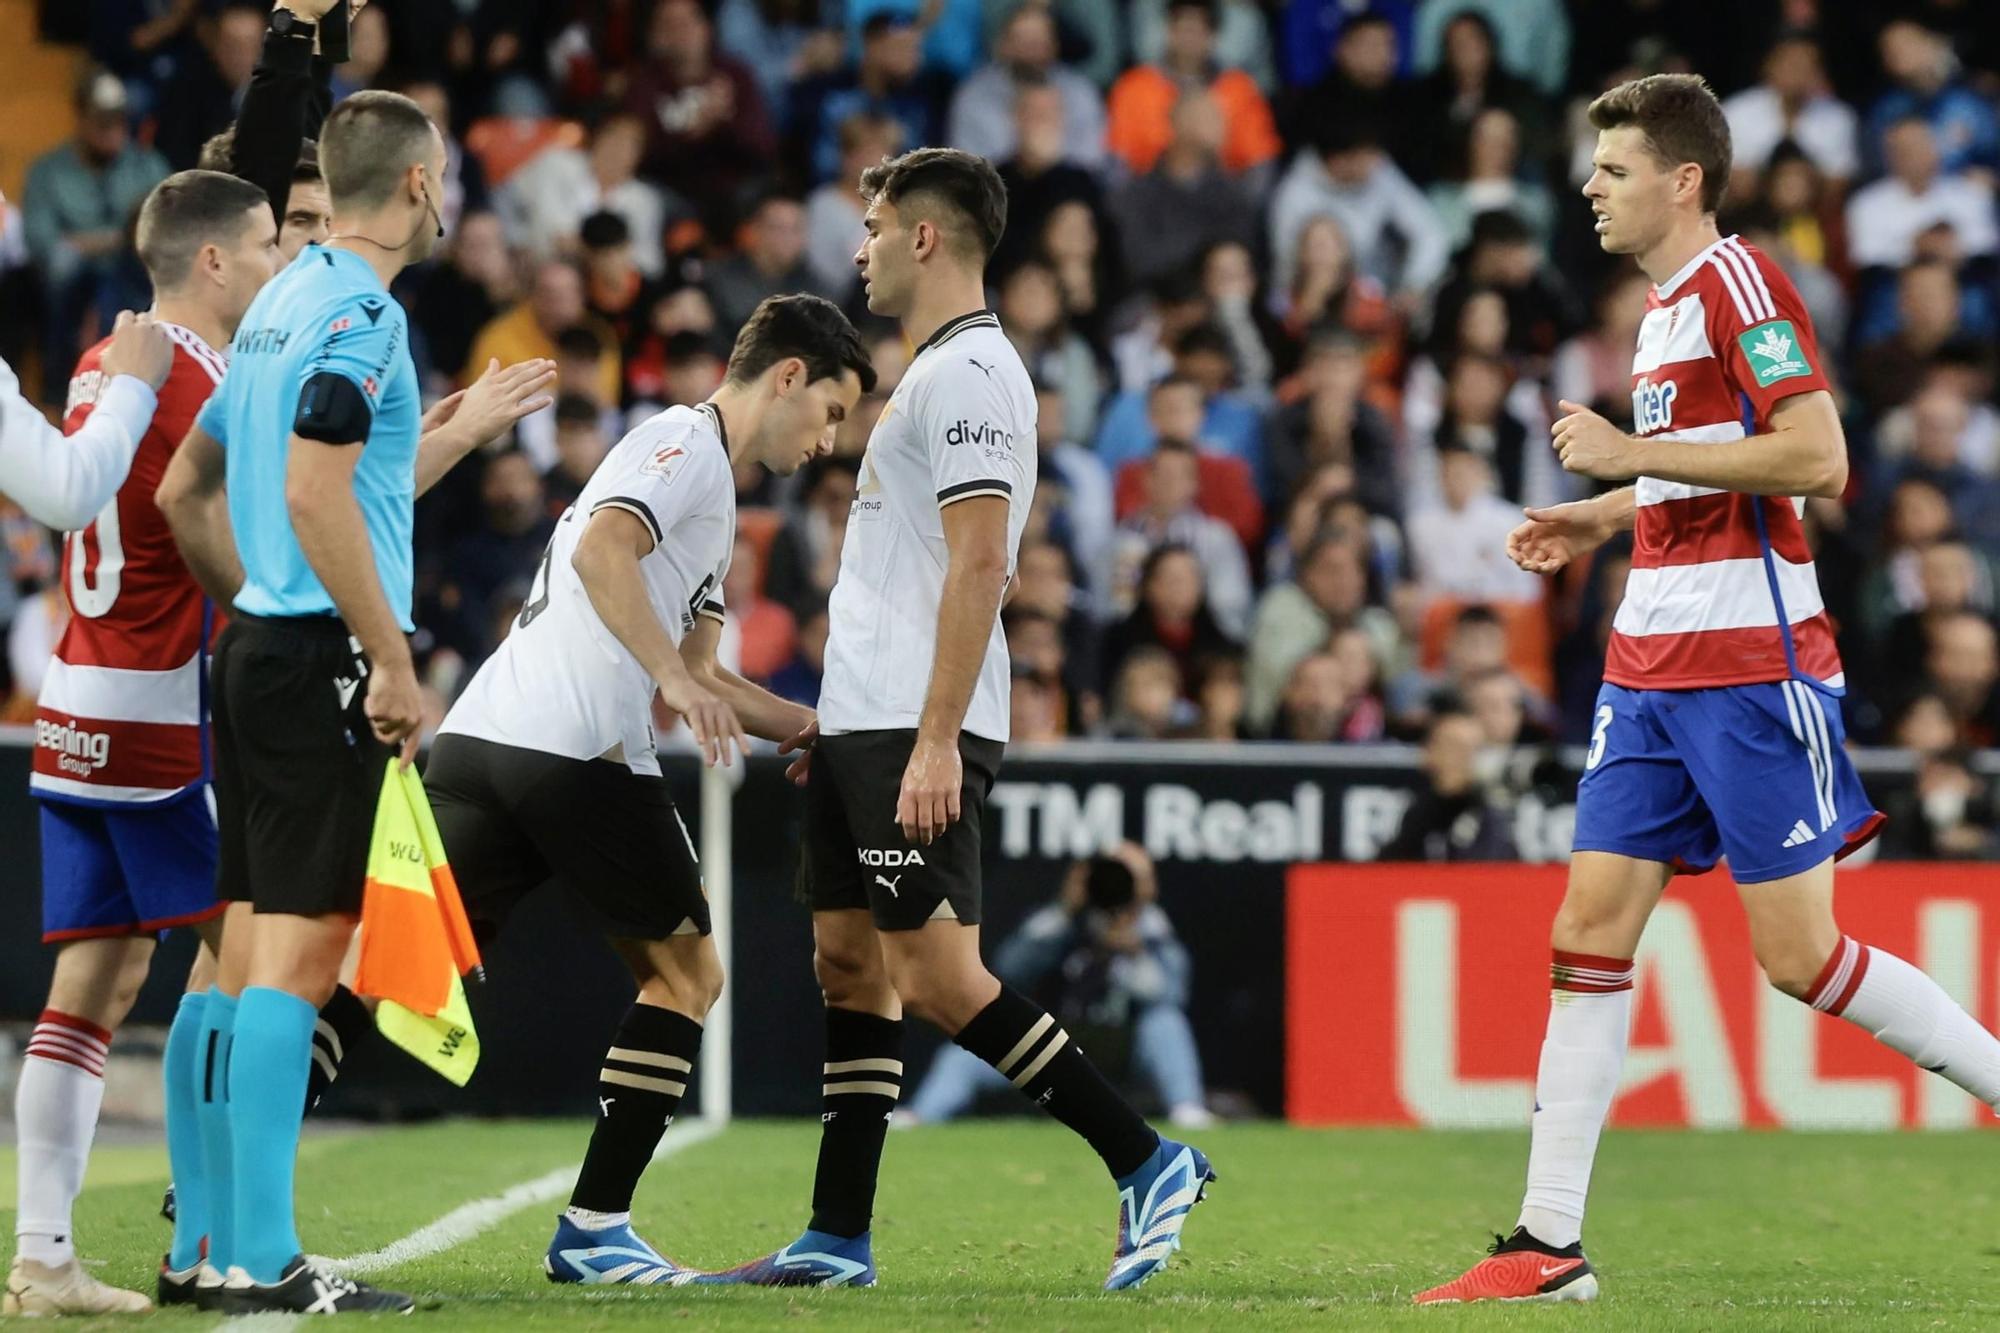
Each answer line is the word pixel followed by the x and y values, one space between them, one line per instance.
pixel 1603 724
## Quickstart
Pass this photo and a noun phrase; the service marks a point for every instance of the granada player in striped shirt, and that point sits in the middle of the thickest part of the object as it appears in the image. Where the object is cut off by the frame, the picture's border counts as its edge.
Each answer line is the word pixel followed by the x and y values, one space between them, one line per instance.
pixel 1718 730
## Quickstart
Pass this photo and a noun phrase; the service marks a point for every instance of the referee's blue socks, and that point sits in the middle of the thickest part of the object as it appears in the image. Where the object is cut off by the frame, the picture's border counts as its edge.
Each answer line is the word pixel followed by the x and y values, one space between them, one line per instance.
pixel 184 1066
pixel 218 1026
pixel 267 1091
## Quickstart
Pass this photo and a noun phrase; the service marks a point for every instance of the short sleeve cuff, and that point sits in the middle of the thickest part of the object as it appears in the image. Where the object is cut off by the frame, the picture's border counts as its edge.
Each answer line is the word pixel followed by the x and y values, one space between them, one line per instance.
pixel 966 490
pixel 639 509
pixel 713 610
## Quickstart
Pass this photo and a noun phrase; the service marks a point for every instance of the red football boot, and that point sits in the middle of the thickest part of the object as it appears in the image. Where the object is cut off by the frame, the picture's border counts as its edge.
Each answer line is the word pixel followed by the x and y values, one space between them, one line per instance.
pixel 1520 1268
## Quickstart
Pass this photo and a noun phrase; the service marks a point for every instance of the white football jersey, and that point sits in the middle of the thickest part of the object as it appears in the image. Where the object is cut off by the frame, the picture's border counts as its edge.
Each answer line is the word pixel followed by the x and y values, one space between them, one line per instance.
pixel 560 682
pixel 960 424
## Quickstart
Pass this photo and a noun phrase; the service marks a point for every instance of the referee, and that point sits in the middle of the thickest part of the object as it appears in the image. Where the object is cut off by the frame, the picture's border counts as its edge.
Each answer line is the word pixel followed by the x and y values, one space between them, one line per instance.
pixel 317 427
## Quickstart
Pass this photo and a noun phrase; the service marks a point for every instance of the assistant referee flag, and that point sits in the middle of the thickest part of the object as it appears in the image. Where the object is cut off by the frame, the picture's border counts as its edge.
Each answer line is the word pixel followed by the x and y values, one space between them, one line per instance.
pixel 416 944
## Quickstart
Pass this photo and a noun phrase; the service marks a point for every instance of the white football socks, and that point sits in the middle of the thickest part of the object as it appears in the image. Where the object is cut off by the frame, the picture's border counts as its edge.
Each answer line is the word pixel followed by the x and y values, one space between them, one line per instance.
pixel 1583 1054
pixel 56 1102
pixel 1909 1013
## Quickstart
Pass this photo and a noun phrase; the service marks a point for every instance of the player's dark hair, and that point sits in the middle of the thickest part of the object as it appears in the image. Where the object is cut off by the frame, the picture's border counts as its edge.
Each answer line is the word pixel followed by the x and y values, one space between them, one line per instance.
pixel 1682 123
pixel 1205 337
pixel 960 184
pixel 369 142
pixel 306 169
pixel 810 328
pixel 1476 615
pixel 186 211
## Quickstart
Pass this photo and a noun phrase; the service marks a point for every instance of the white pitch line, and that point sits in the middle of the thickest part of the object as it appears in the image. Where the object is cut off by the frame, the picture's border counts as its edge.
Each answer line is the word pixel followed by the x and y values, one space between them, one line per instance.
pixel 467 1220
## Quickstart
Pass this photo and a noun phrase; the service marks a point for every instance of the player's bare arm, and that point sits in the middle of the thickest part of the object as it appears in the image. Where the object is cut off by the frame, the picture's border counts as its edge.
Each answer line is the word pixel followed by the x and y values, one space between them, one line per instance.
pixel 333 536
pixel 762 713
pixel 975 537
pixel 1805 452
pixel 480 413
pixel 607 560
pixel 195 501
pixel 1554 535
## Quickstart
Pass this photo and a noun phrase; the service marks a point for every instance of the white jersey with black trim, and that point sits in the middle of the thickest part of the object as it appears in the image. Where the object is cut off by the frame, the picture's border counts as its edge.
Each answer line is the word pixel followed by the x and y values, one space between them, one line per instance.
pixel 561 682
pixel 960 424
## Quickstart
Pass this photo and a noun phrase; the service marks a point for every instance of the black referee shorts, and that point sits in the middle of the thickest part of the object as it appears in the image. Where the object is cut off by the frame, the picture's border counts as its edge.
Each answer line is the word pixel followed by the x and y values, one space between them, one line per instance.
pixel 512 819
pixel 854 853
pixel 298 771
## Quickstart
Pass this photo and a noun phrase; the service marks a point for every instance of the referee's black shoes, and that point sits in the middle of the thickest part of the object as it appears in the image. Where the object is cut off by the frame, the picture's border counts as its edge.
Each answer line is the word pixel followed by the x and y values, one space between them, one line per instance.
pixel 305 1288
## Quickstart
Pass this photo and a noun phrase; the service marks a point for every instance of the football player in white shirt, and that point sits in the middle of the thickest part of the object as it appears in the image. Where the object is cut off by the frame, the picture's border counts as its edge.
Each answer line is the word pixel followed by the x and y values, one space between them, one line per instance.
pixel 913 717
pixel 545 769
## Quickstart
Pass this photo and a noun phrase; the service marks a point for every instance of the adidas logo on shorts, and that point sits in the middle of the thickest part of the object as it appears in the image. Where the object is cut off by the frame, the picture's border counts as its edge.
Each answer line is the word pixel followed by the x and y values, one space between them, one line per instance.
pixel 1800 835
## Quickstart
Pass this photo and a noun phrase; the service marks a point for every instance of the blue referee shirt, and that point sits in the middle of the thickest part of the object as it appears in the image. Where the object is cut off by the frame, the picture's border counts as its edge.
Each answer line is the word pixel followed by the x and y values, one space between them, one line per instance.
pixel 326 312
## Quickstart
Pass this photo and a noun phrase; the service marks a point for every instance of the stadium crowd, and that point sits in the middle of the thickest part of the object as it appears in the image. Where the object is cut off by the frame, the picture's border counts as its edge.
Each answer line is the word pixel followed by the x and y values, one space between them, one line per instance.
pixel 1301 283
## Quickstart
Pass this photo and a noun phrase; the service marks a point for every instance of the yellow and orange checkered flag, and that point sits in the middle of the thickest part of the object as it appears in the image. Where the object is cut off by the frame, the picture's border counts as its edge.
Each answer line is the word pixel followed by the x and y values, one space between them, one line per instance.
pixel 416 944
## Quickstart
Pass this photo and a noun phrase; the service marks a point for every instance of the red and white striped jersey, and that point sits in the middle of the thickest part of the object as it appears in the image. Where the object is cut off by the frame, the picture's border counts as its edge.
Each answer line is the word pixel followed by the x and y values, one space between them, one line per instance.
pixel 1722 589
pixel 122 715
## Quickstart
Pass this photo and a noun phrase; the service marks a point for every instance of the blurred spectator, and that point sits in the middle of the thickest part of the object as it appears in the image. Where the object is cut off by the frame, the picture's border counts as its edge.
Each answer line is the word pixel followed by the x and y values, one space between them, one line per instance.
pixel 1142 101
pixel 771 262
pixel 1172 611
pixel 1388 223
pixel 530 329
pixel 694 369
pixel 1451 817
pixel 953 35
pixel 546 201
pixel 1038 176
pixel 1888 370
pixel 1219 698
pixel 1925 726
pixel 798 679
pixel 1964 671
pixel 1534 36
pixel 38 624
pixel 1326 295
pixel 1478 416
pixel 1364 84
pixel 1230 424
pixel 1039 657
pixel 506 549
pixel 1310 32
pixel 1034 708
pixel 1490 182
pixel 139 40
pixel 1171 518
pixel 707 128
pixel 460 296
pixel 1595 367
pixel 1885 219
pixel 1939 419
pixel 1328 591
pixel 204 96
pixel 768 632
pixel 1077 481
pixel 805 555
pixel 1802 210
pixel 1973 429
pixel 368 52
pixel 1025 56
pixel 1504 256
pixel 1459 548
pixel 834 210
pixel 1047 588
pixel 1335 425
pixel 75 206
pixel 1794 103
pixel 1229 281
pixel 1072 242
pixel 616 291
pixel 1242 37
pixel 889 80
pixel 1469 82
pixel 1927 83
pixel 1948 815
pixel 1146 703
pixel 1102 956
pixel 1952 578
pixel 1031 312
pixel 1186 203
pixel 784 42
pixel 1476 645
pixel 1319 706
pixel 581 444
pixel 1498 702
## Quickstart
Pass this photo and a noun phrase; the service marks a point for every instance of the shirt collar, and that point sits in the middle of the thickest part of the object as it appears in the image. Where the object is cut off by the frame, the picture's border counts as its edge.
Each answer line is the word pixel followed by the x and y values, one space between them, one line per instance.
pixel 970 319
pixel 1689 269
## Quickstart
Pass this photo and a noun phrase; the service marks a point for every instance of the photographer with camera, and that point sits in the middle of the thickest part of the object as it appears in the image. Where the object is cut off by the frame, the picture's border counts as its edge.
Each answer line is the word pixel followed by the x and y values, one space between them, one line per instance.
pixel 1103 956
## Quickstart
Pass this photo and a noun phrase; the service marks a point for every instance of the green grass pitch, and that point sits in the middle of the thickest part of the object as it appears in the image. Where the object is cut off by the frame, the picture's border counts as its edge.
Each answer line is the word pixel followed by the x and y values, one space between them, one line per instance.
pixel 1007 1225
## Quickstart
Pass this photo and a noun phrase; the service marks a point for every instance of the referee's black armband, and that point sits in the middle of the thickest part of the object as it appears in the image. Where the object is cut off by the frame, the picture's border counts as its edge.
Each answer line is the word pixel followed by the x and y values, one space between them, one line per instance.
pixel 333 410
